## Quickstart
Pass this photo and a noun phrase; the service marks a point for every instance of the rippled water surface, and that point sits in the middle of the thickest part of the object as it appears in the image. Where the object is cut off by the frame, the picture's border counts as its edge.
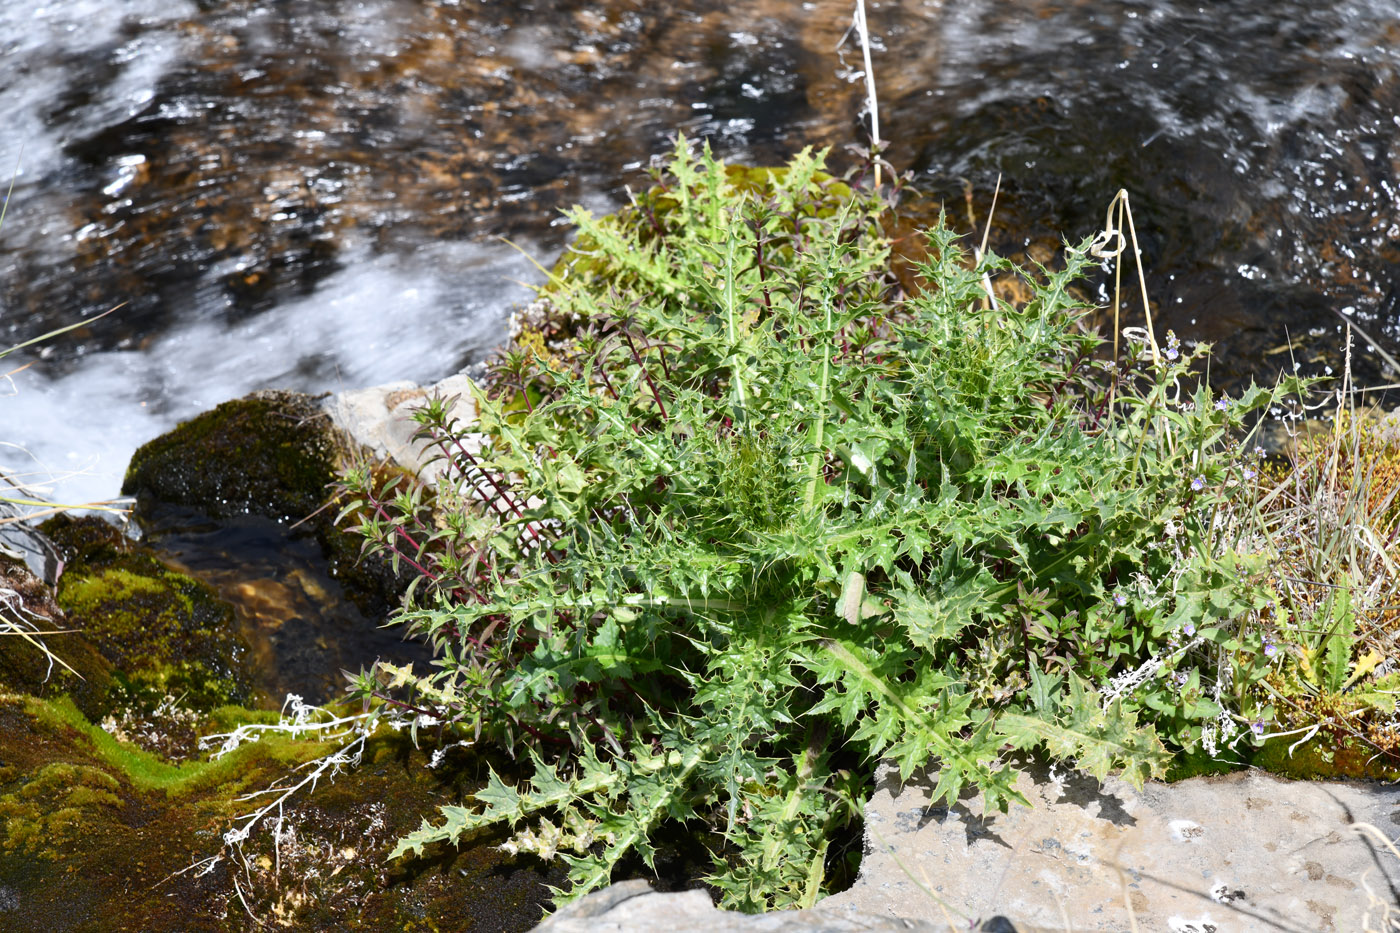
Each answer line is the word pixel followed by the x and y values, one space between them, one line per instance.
pixel 307 193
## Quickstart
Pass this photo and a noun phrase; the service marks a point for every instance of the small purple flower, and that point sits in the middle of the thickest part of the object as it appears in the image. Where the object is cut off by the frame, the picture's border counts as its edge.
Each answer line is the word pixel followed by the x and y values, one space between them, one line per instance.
pixel 1258 451
pixel 1180 678
pixel 1258 727
pixel 1250 473
pixel 1120 599
pixel 1188 629
pixel 1270 649
pixel 1198 484
pixel 1170 353
pixel 1222 404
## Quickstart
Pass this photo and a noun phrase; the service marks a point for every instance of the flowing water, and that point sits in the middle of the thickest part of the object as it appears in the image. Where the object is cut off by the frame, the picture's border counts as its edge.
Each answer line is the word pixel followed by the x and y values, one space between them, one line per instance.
pixel 309 193
pixel 313 194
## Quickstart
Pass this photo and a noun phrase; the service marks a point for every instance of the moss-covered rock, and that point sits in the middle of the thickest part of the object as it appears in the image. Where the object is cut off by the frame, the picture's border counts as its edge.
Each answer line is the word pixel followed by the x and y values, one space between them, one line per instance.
pixel 1327 757
pixel 49 810
pixel 91 832
pixel 98 836
pixel 274 454
pixel 162 631
pixel 271 453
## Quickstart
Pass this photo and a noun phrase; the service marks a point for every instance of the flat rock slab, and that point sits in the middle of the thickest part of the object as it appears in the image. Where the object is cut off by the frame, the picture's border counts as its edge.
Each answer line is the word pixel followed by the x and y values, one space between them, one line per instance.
pixel 632 907
pixel 1243 852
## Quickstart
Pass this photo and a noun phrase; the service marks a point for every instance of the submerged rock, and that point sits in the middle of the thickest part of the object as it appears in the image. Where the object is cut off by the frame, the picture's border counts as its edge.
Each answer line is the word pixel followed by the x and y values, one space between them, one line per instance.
pixel 274 454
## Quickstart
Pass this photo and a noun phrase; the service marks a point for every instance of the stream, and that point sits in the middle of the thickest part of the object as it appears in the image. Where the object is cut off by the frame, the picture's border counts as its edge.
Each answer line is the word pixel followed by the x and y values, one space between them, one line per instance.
pixel 316 194
pixel 232 195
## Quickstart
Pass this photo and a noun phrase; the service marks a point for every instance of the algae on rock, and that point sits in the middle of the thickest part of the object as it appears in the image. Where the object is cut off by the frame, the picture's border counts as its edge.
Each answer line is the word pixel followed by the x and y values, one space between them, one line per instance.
pixel 273 454
pixel 97 836
pixel 84 674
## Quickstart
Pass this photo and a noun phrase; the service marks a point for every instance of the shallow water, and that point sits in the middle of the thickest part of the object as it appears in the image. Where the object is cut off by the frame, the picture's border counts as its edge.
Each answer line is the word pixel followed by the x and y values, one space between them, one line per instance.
pixel 305 193
pixel 304 632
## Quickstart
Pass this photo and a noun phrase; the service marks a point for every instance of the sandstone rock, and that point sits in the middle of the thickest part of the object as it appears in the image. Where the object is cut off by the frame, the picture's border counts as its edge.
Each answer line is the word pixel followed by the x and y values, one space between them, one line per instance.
pixel 1232 854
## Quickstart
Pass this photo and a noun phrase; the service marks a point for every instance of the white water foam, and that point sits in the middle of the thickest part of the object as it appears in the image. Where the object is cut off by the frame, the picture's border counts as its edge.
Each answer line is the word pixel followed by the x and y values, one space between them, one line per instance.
pixel 383 318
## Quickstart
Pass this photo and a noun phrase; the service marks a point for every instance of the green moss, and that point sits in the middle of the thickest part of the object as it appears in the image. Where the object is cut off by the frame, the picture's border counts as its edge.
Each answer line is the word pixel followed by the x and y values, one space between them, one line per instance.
pixel 96 835
pixel 163 631
pixel 271 454
pixel 24 668
pixel 90 594
pixel 241 768
pixel 48 809
pixel 1198 763
pixel 1326 757
pixel 92 833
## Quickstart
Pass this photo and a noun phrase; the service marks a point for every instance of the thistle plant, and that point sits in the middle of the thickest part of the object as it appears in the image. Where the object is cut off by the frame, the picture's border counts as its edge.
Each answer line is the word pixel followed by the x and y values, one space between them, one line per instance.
pixel 768 518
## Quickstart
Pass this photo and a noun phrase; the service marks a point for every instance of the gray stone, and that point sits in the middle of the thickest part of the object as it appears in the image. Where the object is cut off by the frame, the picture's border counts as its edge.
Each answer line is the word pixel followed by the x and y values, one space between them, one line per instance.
pixel 1244 852
pixel 380 419
pixel 632 907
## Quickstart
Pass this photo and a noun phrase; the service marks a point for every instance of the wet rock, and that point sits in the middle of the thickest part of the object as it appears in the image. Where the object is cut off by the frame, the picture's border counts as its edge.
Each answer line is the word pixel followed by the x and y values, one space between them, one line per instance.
pixel 1336 753
pixel 76 836
pixel 271 453
pixel 76 667
pixel 1245 851
pixel 96 836
pixel 274 454
pixel 632 907
pixel 23 542
pixel 161 631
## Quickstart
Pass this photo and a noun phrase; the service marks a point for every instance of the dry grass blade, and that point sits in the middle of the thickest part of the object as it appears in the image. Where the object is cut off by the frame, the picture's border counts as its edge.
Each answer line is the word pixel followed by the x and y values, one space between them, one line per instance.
pixel 1330 524
pixel 17 620
pixel 871 101
pixel 980 252
pixel 1109 245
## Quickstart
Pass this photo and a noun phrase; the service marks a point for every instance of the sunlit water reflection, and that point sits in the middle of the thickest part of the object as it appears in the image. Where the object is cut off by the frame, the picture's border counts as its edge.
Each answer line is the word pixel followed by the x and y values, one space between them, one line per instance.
pixel 305 193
